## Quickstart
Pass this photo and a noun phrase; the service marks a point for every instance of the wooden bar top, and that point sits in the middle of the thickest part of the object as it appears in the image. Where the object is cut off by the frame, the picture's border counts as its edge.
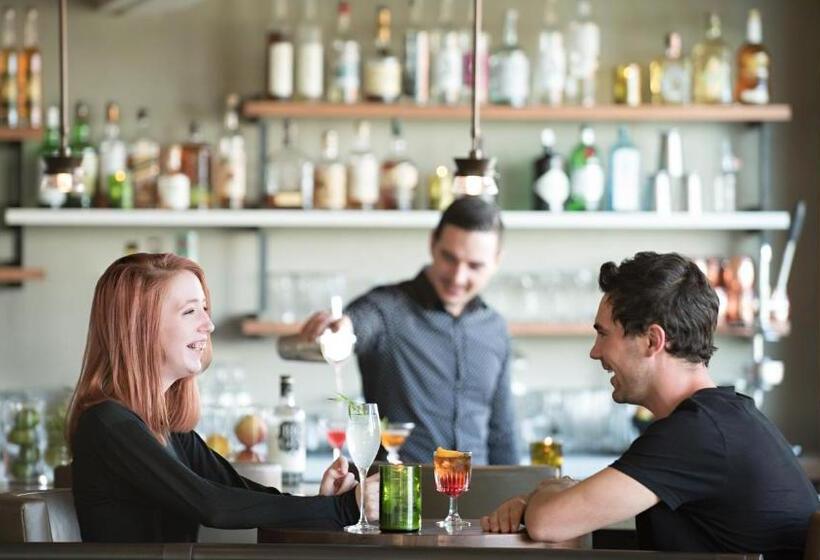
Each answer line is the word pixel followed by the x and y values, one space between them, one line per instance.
pixel 429 536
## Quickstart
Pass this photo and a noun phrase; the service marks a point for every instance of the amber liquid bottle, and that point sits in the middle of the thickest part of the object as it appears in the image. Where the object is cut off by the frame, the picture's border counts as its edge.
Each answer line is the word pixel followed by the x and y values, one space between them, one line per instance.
pixel 382 72
pixel 196 165
pixel 30 78
pixel 753 65
pixel 9 114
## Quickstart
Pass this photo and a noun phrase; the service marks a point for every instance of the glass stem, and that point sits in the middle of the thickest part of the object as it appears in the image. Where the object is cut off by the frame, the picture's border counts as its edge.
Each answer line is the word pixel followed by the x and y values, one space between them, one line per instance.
pixel 453 513
pixel 362 478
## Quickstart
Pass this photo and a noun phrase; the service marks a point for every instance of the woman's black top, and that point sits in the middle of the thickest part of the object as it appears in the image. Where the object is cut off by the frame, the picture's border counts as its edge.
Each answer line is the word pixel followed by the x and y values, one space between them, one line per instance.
pixel 128 487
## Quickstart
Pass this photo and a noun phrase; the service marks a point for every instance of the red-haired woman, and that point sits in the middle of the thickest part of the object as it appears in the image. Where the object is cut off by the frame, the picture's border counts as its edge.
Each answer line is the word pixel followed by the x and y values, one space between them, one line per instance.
pixel 140 472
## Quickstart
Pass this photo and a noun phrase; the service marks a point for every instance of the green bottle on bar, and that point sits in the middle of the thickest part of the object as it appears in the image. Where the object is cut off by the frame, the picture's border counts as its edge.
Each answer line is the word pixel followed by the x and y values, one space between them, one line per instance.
pixel 400 495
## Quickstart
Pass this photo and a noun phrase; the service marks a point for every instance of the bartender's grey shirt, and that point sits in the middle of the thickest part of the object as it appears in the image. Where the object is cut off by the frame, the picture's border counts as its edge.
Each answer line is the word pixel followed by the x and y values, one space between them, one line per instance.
pixel 449 375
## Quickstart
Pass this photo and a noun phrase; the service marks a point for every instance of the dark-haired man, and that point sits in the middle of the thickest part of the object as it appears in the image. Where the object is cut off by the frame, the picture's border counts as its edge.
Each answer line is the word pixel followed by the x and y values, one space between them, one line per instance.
pixel 711 473
pixel 431 352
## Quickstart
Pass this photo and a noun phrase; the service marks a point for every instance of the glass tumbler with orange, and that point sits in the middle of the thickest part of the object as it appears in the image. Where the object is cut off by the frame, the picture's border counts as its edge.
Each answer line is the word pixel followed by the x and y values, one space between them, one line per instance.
pixel 452 471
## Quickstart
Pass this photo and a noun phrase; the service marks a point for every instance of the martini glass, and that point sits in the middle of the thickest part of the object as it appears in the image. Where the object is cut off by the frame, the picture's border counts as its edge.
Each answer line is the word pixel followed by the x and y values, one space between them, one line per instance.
pixel 394 435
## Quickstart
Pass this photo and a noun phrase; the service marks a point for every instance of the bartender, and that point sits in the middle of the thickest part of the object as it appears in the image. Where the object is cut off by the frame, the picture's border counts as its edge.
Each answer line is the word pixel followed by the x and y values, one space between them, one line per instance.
pixel 431 351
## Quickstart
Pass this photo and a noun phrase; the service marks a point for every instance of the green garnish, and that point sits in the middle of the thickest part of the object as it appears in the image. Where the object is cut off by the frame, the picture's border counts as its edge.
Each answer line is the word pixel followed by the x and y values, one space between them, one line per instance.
pixel 355 407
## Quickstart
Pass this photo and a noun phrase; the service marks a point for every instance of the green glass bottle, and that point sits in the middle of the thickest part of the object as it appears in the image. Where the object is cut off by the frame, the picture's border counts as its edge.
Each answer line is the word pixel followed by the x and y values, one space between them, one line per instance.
pixel 80 143
pixel 400 493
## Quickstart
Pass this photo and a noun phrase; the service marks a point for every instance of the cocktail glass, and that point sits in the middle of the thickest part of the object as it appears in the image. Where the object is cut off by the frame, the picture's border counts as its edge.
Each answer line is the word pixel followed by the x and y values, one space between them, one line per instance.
pixel 363 438
pixel 393 437
pixel 336 432
pixel 452 471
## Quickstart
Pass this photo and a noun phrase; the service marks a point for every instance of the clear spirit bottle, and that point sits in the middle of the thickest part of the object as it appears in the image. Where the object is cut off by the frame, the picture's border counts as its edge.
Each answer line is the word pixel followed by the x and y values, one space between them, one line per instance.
pixel 712 66
pixel 116 188
pixel 9 113
pixel 363 171
pixel 287 436
pixel 399 175
pixel 231 165
pixel 30 82
pixel 670 77
pixel 331 175
pixel 583 47
pixel 510 67
pixel 551 69
pixel 310 72
pixel 46 196
pixel 289 181
pixel 753 64
pixel 382 73
pixel 280 54
pixel 416 78
pixel 80 142
pixel 447 74
pixel 344 83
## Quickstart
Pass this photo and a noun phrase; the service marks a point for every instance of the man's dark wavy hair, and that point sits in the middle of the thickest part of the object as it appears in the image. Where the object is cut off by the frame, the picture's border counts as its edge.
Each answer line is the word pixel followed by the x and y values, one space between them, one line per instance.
pixel 471 213
pixel 668 290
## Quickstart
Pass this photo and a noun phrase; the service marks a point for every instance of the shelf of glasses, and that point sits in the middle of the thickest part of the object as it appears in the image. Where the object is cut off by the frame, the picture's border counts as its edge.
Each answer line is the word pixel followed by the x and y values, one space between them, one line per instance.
pixel 255 109
pixel 390 219
pixel 18 274
pixel 19 134
pixel 258 328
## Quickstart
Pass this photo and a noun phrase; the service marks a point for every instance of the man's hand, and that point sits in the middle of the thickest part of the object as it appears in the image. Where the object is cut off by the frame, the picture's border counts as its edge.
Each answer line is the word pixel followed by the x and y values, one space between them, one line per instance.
pixel 371 499
pixel 316 324
pixel 507 518
pixel 338 479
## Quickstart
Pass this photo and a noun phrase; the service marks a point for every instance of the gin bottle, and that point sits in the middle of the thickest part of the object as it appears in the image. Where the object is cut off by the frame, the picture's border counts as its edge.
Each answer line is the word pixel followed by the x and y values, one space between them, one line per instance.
pixel 80 142
pixel 363 171
pixel 382 73
pixel 550 189
pixel 447 59
pixel 551 68
pixel 586 174
pixel 331 175
pixel 510 67
pixel 344 83
pixel 286 436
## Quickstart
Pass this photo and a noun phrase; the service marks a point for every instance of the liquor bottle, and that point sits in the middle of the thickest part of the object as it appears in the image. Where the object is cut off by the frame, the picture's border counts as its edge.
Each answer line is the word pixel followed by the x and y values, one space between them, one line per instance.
pixel 447 69
pixel 344 83
pixel 550 189
pixel 80 143
pixel 196 164
pixel 30 82
pixel 362 171
pixel 49 197
pixel 416 79
pixel 510 67
pixel 143 163
pixel 399 175
pixel 440 189
pixel 670 77
pixel 712 66
pixel 382 73
pixel 330 183
pixel 310 72
pixel 551 69
pixel 173 186
pixel 483 57
pixel 624 178
pixel 280 54
pixel 753 64
pixel 231 165
pixel 289 174
pixel 586 174
pixel 583 46
pixel 286 440
pixel 115 188
pixel 9 114
pixel 725 184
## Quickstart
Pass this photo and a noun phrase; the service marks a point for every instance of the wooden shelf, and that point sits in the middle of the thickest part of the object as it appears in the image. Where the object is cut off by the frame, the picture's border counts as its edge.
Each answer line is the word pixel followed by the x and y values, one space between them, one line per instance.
pixel 256 327
pixel 17 274
pixel 19 134
pixel 389 219
pixel 255 109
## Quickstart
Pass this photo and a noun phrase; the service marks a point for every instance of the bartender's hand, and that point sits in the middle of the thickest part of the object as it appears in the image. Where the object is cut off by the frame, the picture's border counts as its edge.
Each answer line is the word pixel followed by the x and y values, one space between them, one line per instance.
pixel 316 324
pixel 338 479
pixel 507 518
pixel 371 499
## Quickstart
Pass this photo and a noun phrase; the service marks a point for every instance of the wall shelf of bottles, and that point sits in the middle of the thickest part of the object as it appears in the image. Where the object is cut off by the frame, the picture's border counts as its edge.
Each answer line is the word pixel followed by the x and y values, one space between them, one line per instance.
pixel 392 219
pixel 259 328
pixel 19 134
pixel 19 274
pixel 255 109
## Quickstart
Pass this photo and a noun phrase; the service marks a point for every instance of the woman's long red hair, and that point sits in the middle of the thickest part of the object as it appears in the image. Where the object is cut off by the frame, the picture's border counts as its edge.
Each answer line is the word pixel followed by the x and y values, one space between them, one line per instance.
pixel 123 351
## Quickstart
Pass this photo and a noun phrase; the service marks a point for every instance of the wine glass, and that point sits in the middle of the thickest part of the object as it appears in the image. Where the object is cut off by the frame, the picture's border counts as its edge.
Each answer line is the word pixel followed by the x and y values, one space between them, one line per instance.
pixel 363 438
pixel 452 471
pixel 393 437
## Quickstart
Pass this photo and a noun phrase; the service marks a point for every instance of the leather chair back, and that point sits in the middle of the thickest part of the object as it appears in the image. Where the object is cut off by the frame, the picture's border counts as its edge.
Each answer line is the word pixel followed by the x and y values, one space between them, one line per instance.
pixel 489 487
pixel 38 516
pixel 812 551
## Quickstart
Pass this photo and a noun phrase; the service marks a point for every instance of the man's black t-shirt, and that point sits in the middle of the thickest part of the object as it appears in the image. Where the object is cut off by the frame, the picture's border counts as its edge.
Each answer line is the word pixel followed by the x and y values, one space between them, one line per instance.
pixel 726 478
pixel 129 488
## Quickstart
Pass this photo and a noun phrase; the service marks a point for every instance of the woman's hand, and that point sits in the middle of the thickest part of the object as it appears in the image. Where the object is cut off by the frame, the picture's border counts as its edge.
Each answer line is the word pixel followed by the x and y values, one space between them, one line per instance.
pixel 338 479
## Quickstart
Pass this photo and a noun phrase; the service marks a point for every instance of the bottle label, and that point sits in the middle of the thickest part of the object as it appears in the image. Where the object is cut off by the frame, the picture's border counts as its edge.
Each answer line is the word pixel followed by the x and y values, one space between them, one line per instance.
pixel 585 47
pixel 331 187
pixel 364 181
pixel 626 180
pixel 553 188
pixel 346 81
pixel 311 70
pixel 174 191
pixel 383 79
pixel 588 184
pixel 512 80
pixel 448 73
pixel 230 175
pixel 280 71
pixel 290 437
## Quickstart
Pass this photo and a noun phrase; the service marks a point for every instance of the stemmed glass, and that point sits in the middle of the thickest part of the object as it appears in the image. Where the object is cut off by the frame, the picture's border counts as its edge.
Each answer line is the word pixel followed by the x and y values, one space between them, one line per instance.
pixel 335 430
pixel 363 438
pixel 393 437
pixel 452 471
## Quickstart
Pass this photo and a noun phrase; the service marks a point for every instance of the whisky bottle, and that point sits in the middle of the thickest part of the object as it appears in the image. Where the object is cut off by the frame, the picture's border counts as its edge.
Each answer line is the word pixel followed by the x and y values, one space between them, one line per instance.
pixel 362 171
pixel 551 68
pixel 115 188
pixel 80 142
pixel 143 163
pixel 230 167
pixel 30 82
pixel 330 183
pixel 670 77
pixel 382 73
pixel 753 65
pixel 196 164
pixel 173 186
pixel 416 79
pixel 510 67
pixel 399 176
pixel 712 66
pixel 280 54
pixel 344 83
pixel 9 115
pixel 289 174
pixel 310 72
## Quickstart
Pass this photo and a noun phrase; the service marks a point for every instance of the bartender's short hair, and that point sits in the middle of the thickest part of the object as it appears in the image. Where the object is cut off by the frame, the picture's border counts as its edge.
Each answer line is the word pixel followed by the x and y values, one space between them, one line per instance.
pixel 471 213
pixel 668 290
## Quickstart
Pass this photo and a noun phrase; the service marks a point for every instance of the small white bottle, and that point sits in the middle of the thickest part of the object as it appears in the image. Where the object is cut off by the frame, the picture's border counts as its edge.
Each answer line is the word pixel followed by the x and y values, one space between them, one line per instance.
pixel 286 436
pixel 624 175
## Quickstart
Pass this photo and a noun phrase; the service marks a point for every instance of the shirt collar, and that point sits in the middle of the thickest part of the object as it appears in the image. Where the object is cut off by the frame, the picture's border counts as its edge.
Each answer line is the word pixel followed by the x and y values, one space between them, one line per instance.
pixel 425 294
